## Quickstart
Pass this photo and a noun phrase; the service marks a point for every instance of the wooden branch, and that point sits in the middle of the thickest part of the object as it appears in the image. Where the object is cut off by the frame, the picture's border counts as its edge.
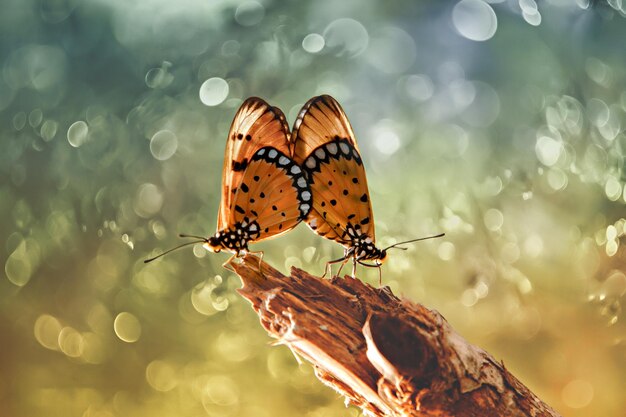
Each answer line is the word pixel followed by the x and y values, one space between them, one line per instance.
pixel 390 357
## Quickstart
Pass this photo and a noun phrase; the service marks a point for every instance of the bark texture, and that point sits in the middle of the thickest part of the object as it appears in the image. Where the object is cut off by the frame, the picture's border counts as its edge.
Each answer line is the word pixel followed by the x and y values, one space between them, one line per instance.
pixel 388 356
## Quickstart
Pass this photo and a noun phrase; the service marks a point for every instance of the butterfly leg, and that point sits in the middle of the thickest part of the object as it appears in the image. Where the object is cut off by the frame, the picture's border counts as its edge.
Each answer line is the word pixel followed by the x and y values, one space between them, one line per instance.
pixel 329 268
pixel 345 261
pixel 380 270
pixel 260 253
pixel 228 261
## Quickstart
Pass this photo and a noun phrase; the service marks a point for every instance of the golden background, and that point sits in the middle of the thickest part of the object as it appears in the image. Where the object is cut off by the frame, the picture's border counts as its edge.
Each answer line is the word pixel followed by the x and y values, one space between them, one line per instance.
pixel 500 123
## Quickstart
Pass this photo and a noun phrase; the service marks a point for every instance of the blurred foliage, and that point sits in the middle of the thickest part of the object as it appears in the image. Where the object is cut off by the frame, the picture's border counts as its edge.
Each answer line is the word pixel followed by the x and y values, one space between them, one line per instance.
pixel 500 123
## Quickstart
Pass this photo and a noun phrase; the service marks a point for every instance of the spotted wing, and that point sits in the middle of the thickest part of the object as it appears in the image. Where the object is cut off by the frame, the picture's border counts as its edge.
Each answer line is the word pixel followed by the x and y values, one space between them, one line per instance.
pixel 273 192
pixel 324 145
pixel 256 125
pixel 320 120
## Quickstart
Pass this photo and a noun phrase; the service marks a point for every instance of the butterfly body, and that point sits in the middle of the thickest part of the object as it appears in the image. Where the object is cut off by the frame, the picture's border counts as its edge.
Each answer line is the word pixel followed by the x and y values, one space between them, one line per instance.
pixel 235 239
pixel 325 145
pixel 271 197
pixel 264 191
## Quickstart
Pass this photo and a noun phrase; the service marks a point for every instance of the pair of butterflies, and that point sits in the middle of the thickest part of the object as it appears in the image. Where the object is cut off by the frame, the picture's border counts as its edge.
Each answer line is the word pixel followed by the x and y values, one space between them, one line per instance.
pixel 273 179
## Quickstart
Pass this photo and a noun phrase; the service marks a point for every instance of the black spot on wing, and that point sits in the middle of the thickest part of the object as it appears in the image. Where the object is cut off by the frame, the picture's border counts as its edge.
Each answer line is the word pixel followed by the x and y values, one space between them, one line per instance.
pixel 240 166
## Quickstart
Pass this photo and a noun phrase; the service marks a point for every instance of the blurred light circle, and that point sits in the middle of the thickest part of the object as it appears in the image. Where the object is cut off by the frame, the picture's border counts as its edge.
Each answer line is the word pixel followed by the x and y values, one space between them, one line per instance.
pixel 577 393
pixel 533 246
pixel 462 93
pixel 47 329
pixel 161 376
pixel 446 251
pixel 19 120
pixel 474 20
pixel 158 78
pixel 35 117
pixel 148 200
pixel 202 298
pixel 557 179
pixel 77 133
pixel 613 189
pixel 469 297
pixel 22 262
pixel 598 71
pixel 528 6
pixel 94 349
pixel 71 342
pixel 346 37
pixel 615 284
pixel 313 43
pixel 48 130
pixel 163 145
pixel 213 91
pixel 385 137
pixel 419 87
pixel 548 150
pixel 494 219
pixel 230 47
pixel 127 327
pixel 249 13
pixel 392 51
pixel 220 390
pixel 532 18
pixel 598 111
pixel 40 67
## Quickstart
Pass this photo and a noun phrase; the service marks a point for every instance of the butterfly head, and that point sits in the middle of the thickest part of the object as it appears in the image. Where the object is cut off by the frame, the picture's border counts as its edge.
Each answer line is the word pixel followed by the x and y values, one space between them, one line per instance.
pixel 213 244
pixel 383 257
pixel 377 255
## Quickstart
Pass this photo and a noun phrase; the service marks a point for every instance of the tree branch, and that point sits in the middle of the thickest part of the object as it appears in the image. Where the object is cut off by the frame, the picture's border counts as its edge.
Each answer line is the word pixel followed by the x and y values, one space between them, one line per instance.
pixel 390 357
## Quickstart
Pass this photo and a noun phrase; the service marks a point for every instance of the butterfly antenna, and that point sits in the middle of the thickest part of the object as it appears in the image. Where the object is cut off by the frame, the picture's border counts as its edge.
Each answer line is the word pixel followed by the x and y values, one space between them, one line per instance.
pixel 200 240
pixel 184 235
pixel 396 246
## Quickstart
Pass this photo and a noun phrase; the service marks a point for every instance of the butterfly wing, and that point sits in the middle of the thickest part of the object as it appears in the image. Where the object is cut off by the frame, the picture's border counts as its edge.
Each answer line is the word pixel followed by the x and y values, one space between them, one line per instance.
pixel 320 120
pixel 273 192
pixel 256 125
pixel 325 146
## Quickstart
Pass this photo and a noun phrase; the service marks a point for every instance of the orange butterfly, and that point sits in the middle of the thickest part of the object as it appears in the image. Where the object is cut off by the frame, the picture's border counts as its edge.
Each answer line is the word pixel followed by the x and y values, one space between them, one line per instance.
pixel 325 146
pixel 264 192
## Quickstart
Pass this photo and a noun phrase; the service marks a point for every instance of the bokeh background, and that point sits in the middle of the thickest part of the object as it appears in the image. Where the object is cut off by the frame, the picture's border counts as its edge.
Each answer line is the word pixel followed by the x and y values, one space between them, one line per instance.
pixel 500 123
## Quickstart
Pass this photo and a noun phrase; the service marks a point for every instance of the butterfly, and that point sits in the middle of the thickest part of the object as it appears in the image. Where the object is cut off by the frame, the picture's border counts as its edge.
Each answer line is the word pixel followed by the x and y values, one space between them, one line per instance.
pixel 264 192
pixel 324 145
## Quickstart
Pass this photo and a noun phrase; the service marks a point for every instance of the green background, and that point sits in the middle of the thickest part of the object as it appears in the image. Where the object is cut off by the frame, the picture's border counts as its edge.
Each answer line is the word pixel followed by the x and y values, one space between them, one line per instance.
pixel 500 124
